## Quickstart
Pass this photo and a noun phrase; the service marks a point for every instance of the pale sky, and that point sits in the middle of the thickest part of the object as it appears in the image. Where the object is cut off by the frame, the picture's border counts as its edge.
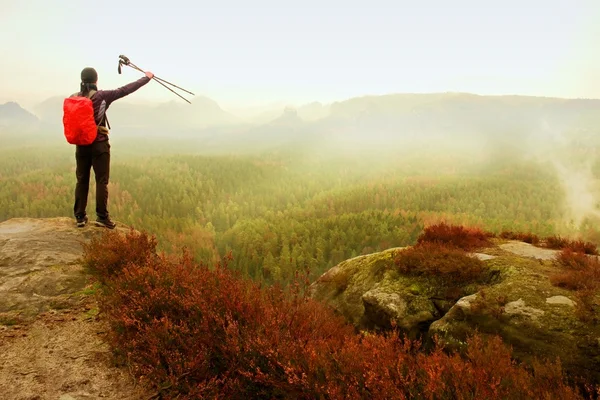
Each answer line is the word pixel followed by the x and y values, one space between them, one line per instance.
pixel 263 51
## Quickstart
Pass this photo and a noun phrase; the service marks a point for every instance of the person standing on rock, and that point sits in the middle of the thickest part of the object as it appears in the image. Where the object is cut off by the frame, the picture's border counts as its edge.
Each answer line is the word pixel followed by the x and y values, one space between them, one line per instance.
pixel 97 154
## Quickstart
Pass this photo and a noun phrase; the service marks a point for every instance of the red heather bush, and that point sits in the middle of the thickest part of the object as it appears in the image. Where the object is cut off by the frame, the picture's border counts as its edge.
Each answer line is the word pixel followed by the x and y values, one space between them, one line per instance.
pixel 580 271
pixel 195 332
pixel 106 255
pixel 556 242
pixel 552 242
pixel 572 260
pixel 455 235
pixel 440 260
pixel 524 237
pixel 579 246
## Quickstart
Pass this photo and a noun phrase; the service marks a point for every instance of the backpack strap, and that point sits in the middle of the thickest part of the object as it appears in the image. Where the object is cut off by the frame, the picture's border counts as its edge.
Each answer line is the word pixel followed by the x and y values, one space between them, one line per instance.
pixel 91 94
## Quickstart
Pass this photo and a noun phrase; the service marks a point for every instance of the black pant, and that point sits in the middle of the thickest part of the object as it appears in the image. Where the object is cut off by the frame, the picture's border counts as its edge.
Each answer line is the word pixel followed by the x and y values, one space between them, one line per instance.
pixel 96 155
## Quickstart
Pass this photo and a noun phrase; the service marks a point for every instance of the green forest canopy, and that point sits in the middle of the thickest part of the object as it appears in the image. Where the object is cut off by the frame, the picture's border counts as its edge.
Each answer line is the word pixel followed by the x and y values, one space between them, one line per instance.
pixel 292 207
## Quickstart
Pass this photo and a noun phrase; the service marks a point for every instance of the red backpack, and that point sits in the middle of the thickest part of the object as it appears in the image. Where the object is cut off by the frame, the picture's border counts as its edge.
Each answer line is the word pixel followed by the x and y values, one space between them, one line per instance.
pixel 78 120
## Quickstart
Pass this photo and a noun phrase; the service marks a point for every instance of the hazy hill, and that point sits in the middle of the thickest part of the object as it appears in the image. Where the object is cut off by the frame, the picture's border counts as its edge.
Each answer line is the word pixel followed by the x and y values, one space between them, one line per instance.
pixel 13 115
pixel 173 115
pixel 282 131
pixel 202 113
pixel 50 111
pixel 450 120
pixel 461 121
pixel 461 113
pixel 313 111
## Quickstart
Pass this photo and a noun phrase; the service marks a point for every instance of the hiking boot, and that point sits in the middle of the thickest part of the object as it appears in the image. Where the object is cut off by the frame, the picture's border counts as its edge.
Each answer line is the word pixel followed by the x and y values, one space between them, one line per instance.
pixel 105 222
pixel 81 222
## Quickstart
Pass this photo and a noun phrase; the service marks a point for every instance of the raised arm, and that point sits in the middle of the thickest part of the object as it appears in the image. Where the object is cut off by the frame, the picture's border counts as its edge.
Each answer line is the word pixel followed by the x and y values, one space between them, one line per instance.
pixel 112 95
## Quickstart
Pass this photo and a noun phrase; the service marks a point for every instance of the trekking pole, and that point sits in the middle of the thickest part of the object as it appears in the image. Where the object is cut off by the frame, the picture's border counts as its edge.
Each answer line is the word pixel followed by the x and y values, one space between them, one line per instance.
pixel 162 80
pixel 123 60
pixel 157 80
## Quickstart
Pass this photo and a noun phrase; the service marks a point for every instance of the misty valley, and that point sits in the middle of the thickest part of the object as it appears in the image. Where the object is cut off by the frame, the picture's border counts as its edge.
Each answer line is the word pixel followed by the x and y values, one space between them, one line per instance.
pixel 350 178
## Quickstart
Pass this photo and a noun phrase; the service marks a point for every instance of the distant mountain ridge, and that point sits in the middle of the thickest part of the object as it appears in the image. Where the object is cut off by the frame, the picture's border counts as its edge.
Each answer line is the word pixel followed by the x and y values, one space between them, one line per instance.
pixel 379 119
pixel 13 115
pixel 205 112
pixel 460 114
pixel 202 113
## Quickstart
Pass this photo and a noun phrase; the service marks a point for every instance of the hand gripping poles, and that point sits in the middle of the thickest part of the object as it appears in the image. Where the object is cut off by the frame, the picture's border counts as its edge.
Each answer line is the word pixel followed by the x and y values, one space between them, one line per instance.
pixel 123 60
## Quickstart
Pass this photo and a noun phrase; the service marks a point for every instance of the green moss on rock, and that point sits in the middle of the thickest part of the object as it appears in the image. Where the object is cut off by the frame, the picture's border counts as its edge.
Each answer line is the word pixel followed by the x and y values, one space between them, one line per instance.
pixel 511 300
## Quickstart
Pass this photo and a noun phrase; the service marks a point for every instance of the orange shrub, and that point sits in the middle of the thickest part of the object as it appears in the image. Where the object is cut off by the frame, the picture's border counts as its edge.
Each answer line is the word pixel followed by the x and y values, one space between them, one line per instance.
pixel 524 237
pixel 455 235
pixel 580 246
pixel 196 332
pixel 107 254
pixel 556 242
pixel 440 260
pixel 580 272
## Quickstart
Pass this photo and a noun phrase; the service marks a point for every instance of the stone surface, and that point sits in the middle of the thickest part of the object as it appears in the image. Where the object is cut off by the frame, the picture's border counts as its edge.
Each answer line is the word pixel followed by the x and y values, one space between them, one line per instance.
pixel 410 312
pixel 561 300
pixel 519 307
pixel 51 342
pixel 483 257
pixel 344 285
pixel 529 250
pixel 39 264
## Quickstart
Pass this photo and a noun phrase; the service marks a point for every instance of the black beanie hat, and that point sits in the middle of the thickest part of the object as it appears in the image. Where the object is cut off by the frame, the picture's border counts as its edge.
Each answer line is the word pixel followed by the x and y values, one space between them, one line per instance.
pixel 89 75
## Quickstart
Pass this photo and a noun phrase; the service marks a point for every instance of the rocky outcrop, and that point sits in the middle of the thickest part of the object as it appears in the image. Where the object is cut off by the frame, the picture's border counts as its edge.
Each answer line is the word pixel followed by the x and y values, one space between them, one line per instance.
pixel 370 293
pixel 40 267
pixel 360 290
pixel 517 302
pixel 50 335
pixel 411 312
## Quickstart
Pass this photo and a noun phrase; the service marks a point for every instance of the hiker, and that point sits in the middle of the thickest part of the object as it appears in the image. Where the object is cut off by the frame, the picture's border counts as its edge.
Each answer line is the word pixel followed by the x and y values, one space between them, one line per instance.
pixel 97 154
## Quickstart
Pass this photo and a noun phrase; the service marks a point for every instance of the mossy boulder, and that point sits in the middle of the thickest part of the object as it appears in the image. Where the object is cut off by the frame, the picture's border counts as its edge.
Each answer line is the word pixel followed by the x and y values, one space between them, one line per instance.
pixel 371 294
pixel 344 285
pixel 516 300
